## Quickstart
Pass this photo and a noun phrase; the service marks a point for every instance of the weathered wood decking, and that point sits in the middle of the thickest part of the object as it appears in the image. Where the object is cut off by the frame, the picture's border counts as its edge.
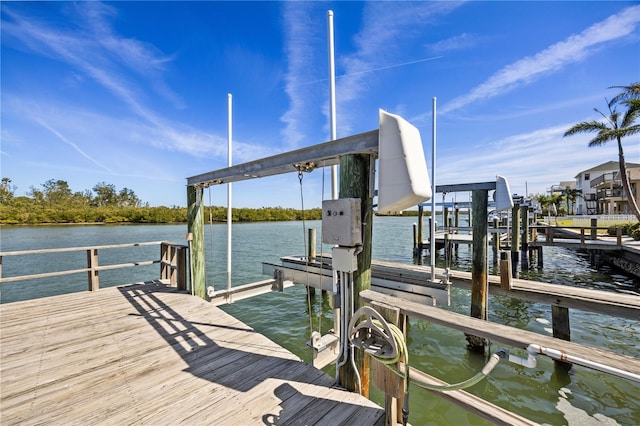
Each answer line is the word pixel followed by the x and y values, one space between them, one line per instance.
pixel 147 354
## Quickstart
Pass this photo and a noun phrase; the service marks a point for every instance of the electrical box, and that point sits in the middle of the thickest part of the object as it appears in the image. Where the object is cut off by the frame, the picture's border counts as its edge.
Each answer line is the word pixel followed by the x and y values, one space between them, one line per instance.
pixel 344 259
pixel 341 224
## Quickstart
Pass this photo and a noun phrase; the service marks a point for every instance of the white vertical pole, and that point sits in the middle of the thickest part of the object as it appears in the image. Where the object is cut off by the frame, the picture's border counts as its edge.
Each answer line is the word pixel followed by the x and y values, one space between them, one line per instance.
pixel 229 208
pixel 432 239
pixel 332 101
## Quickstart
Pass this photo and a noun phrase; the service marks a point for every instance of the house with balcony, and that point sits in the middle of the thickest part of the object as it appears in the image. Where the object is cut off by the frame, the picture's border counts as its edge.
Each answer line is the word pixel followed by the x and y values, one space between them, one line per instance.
pixel 602 191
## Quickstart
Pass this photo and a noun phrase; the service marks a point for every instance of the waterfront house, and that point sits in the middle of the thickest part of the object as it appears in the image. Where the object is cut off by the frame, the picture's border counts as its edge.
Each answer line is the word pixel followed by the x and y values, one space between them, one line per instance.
pixel 602 191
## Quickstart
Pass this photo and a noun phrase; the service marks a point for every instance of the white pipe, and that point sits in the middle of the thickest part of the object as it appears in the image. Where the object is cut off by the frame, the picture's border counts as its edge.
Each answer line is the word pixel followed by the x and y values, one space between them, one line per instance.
pixel 332 100
pixel 229 208
pixel 432 237
pixel 352 347
pixel 529 362
pixel 342 357
pixel 563 356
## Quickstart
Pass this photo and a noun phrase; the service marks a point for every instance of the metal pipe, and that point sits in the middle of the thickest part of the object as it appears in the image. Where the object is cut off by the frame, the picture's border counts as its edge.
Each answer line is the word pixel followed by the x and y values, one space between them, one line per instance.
pixel 332 100
pixel 229 208
pixel 563 356
pixel 432 242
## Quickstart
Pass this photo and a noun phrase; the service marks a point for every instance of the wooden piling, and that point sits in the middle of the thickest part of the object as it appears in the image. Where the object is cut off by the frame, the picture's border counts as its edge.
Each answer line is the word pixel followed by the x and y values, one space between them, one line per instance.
pixel 355 182
pixel 479 264
pixel 561 329
pixel 496 241
pixel 594 228
pixel 524 247
pixel 311 256
pixel 515 239
pixel 540 258
pixel 195 225
pixel 506 281
pixel 445 217
pixel 457 225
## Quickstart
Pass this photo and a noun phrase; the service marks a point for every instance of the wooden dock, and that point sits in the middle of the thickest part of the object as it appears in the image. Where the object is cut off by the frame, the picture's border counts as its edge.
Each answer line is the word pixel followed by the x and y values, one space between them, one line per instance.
pixel 149 354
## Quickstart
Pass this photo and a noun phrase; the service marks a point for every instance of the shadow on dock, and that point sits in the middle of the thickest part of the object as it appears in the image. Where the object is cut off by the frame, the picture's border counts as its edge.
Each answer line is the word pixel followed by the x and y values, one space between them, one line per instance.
pixel 150 354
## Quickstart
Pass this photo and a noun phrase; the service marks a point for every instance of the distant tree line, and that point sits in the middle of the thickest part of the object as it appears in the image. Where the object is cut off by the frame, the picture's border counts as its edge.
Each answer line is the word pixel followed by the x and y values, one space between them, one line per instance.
pixel 54 202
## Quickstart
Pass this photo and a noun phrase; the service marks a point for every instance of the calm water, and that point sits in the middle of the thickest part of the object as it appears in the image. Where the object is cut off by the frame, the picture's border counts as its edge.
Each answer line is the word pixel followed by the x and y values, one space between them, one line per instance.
pixel 541 394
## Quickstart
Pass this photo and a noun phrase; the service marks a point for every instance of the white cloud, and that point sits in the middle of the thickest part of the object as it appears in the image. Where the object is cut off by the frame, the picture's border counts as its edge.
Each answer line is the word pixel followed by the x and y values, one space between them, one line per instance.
pixel 575 48
pixel 385 26
pixel 461 41
pixel 301 59
pixel 540 159
pixel 97 52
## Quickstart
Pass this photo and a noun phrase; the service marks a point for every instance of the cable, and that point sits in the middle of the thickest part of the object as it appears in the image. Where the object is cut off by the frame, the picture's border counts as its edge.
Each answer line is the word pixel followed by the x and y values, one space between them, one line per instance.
pixel 304 238
pixel 402 355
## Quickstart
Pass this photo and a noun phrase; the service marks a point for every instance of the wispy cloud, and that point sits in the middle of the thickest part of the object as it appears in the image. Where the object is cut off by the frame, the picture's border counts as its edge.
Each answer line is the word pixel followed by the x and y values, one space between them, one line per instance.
pixel 302 67
pixel 385 26
pixel 94 50
pixel 74 146
pixel 461 41
pixel 540 159
pixel 575 48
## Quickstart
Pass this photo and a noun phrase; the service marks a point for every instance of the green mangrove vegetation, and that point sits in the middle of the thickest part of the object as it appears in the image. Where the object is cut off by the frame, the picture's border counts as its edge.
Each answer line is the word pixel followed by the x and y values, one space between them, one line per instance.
pixel 55 203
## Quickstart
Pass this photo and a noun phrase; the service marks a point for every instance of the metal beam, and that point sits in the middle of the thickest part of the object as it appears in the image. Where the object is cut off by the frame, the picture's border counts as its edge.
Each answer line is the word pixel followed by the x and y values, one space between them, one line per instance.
pixel 321 155
pixel 465 187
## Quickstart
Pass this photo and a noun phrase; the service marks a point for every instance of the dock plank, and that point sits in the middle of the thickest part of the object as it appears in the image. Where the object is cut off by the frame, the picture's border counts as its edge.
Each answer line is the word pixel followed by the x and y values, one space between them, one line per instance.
pixel 148 354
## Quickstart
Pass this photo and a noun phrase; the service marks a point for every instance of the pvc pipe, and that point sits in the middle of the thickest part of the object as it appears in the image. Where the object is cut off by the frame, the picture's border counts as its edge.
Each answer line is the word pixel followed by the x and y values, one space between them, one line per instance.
pixel 563 356
pixel 351 346
pixel 529 362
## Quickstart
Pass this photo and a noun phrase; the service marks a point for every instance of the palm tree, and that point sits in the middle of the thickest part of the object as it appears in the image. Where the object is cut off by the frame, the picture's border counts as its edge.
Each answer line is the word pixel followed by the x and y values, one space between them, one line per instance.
pixel 614 127
pixel 571 195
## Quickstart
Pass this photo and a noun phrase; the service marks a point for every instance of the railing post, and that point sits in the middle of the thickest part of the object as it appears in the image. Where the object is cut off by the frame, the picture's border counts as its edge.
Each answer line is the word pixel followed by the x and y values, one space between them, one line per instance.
pixel 618 242
pixel 594 228
pixel 173 263
pixel 164 258
pixel 385 379
pixel 92 274
pixel 181 267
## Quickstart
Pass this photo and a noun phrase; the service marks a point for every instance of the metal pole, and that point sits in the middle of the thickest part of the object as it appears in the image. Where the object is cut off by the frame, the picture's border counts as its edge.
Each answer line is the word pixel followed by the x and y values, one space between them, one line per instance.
pixel 332 101
pixel 432 242
pixel 229 208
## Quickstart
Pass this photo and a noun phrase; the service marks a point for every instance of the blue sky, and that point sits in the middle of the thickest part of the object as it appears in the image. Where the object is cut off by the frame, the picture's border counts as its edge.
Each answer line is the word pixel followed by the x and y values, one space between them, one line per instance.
pixel 135 93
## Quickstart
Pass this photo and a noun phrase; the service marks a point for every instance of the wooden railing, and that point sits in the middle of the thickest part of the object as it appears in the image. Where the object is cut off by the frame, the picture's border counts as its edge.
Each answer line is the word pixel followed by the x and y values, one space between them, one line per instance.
pixel 591 230
pixel 397 310
pixel 173 263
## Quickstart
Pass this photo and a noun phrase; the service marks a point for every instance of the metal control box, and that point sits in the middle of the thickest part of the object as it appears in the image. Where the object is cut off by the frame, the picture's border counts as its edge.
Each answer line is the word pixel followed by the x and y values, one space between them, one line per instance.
pixel 341 224
pixel 344 259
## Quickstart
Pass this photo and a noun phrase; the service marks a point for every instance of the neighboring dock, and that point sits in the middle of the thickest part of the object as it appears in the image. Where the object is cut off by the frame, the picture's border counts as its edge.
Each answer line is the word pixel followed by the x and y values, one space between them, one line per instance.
pixel 151 354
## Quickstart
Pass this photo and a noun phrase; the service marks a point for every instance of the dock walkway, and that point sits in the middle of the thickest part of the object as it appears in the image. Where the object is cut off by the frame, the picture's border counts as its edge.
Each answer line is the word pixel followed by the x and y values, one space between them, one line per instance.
pixel 148 354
